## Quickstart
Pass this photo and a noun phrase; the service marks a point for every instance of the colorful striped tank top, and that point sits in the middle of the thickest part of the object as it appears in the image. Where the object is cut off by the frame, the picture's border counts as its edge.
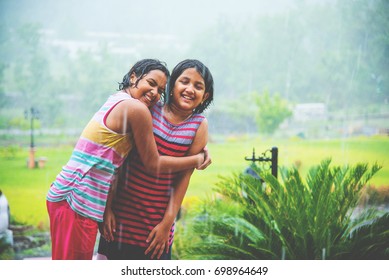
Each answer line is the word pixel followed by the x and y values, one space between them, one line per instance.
pixel 86 178
pixel 142 198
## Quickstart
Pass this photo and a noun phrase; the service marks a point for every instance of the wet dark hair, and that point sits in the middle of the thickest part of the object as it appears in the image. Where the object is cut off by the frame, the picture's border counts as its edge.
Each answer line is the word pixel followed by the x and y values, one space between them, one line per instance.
pixel 142 68
pixel 202 70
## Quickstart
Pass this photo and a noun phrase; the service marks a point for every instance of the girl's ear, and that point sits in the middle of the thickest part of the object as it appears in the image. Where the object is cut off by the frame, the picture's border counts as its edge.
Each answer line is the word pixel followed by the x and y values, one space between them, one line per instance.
pixel 205 97
pixel 132 79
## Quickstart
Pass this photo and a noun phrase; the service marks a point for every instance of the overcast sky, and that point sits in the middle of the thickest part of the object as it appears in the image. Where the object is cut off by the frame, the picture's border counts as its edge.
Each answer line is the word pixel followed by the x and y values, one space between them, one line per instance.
pixel 152 16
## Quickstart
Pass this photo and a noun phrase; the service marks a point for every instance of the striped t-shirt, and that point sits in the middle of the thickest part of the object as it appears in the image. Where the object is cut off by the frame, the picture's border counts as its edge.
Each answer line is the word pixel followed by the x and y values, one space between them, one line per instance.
pixel 142 198
pixel 85 180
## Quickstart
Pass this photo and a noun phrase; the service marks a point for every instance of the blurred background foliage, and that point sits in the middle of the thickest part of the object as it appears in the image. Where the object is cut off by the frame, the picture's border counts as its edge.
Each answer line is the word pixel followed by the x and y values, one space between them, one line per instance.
pixel 65 58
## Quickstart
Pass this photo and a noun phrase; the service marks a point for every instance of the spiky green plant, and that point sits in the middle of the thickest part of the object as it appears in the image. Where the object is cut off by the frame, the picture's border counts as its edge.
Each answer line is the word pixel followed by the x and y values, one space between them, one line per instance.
pixel 287 218
pixel 368 238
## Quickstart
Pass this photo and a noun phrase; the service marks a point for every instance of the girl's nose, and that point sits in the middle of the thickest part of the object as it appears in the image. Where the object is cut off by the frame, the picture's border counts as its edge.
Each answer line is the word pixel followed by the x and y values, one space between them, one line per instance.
pixel 190 88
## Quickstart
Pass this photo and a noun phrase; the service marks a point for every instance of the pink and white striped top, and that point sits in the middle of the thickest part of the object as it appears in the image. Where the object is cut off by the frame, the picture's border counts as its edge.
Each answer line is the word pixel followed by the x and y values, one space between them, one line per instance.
pixel 85 180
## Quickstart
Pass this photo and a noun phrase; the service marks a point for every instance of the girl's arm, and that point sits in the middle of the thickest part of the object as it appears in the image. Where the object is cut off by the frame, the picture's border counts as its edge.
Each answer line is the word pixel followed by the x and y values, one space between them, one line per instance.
pixel 159 236
pixel 134 117
pixel 108 226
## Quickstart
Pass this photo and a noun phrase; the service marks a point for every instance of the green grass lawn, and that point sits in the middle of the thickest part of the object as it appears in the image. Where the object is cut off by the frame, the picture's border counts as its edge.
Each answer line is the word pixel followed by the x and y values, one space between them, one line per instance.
pixel 26 188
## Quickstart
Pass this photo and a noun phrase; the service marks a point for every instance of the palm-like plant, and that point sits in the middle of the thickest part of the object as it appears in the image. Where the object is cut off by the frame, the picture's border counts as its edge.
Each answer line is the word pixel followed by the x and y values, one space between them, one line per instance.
pixel 287 218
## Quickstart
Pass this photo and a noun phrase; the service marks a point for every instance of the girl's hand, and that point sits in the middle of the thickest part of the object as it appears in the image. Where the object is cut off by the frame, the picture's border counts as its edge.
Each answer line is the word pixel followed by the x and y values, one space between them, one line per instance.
pixel 207 159
pixel 158 240
pixel 108 226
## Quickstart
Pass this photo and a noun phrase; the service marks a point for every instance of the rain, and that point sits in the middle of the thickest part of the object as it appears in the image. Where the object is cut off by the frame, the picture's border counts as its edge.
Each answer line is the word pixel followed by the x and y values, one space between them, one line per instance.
pixel 285 72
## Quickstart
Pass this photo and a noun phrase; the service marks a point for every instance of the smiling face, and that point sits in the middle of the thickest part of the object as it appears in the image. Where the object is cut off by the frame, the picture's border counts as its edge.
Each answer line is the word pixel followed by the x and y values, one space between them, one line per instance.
pixel 149 88
pixel 189 90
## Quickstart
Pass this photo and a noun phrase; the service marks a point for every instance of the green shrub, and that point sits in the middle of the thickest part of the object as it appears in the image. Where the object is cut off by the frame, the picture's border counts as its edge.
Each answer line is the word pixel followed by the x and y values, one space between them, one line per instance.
pixel 290 218
pixel 9 152
pixel 6 251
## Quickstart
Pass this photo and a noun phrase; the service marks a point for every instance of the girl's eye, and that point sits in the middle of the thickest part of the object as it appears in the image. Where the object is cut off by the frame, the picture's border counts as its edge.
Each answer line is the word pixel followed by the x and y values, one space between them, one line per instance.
pixel 184 81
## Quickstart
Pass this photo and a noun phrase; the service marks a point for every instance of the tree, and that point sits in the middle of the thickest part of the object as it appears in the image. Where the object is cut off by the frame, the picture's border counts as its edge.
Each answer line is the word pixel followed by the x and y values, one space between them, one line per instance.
pixel 272 111
pixel 5 49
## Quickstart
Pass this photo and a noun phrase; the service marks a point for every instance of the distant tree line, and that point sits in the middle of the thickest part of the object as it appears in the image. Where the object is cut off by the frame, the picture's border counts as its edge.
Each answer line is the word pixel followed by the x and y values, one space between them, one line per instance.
pixel 336 53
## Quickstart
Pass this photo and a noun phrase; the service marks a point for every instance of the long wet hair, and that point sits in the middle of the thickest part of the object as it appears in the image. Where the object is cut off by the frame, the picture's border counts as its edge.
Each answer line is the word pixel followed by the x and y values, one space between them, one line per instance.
pixel 202 70
pixel 142 68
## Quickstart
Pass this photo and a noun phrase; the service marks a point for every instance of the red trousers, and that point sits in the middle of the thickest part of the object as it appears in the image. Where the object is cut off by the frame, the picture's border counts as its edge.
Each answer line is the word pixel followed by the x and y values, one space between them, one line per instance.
pixel 73 236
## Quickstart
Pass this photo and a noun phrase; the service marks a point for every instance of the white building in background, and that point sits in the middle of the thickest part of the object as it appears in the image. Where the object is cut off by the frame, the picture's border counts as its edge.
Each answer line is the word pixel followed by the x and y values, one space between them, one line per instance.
pixel 310 112
pixel 308 120
pixel 118 43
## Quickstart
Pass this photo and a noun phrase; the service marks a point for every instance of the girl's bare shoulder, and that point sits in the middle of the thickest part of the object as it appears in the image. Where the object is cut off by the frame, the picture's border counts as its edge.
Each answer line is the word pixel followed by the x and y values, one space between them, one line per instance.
pixel 132 105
